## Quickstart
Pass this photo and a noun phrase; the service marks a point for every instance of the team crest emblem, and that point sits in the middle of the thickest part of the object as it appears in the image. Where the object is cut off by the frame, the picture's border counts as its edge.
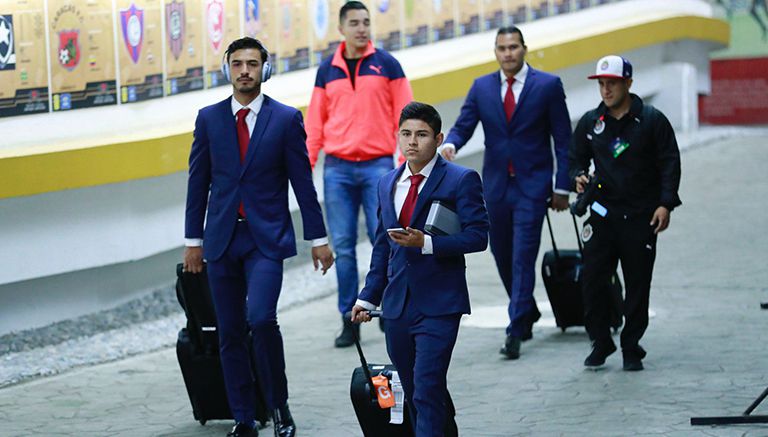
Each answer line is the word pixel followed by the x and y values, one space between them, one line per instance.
pixel 604 65
pixel 286 22
pixel 321 18
pixel 7 54
pixel 599 126
pixel 132 21
pixel 252 18
pixel 69 49
pixel 586 233
pixel 215 12
pixel 175 24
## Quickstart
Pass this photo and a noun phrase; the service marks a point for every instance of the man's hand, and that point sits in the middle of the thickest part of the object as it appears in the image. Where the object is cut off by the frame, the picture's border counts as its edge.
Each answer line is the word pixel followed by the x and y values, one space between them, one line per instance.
pixel 660 219
pixel 193 259
pixel 449 153
pixel 322 255
pixel 360 314
pixel 581 183
pixel 414 238
pixel 559 202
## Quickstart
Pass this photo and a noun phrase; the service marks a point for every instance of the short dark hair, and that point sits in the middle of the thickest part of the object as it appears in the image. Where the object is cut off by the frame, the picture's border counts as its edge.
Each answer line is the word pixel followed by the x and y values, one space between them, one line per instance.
pixel 247 43
pixel 510 29
pixel 349 6
pixel 424 112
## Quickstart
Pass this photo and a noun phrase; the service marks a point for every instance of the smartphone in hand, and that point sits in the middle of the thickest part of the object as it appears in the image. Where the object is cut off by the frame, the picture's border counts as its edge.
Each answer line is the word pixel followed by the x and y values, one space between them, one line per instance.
pixel 398 230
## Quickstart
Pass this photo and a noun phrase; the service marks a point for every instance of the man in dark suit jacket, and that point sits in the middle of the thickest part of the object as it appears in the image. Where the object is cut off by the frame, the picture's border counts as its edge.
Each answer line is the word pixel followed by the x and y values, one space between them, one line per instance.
pixel 419 279
pixel 245 151
pixel 522 110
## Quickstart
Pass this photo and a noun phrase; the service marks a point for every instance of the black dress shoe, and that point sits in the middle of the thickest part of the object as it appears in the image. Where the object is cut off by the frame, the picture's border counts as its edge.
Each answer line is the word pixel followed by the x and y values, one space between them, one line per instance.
pixel 284 425
pixel 533 318
pixel 347 336
pixel 243 430
pixel 633 358
pixel 600 351
pixel 511 348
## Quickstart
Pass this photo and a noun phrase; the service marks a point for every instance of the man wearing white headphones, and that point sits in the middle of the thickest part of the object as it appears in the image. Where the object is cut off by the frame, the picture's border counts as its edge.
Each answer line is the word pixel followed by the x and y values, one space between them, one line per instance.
pixel 248 229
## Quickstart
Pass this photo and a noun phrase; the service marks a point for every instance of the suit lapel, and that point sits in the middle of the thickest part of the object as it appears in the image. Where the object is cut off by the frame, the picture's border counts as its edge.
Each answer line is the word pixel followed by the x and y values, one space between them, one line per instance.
pixel 429 187
pixel 388 215
pixel 530 83
pixel 227 136
pixel 496 97
pixel 262 120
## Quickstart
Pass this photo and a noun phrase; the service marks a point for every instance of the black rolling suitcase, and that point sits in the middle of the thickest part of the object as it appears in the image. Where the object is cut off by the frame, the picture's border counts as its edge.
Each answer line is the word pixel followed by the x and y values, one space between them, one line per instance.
pixel 197 349
pixel 561 271
pixel 374 420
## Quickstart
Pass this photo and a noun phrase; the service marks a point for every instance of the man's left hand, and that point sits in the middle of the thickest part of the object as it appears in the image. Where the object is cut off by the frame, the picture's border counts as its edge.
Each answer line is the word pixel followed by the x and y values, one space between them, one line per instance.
pixel 660 219
pixel 322 255
pixel 559 202
pixel 414 238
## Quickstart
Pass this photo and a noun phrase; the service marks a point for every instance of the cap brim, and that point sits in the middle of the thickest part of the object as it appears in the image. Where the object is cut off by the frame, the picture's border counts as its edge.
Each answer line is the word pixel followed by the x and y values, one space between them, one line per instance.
pixel 598 76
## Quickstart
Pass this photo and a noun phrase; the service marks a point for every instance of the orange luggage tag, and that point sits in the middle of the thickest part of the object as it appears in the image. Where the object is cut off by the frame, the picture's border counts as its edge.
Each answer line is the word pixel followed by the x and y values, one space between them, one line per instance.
pixel 383 393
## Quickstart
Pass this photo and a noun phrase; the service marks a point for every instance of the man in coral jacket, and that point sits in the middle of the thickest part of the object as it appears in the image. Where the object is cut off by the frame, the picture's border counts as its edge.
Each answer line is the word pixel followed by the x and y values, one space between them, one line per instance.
pixel 420 280
pixel 353 116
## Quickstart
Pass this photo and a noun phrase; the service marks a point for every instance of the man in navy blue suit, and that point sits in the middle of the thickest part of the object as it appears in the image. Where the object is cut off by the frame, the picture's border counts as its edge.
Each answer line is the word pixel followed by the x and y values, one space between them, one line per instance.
pixel 522 110
pixel 418 279
pixel 246 149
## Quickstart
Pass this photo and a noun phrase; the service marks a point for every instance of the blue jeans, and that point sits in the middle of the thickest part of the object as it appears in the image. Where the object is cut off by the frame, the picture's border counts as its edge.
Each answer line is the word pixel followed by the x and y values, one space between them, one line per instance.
pixel 348 185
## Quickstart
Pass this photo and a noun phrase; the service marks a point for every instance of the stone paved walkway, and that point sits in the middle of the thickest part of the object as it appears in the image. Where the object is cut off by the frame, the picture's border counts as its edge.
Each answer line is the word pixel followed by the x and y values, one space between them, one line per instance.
pixel 706 345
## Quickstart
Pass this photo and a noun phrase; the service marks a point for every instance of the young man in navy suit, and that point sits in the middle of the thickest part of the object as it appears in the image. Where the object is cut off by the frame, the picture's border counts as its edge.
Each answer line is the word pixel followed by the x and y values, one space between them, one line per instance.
pixel 522 110
pixel 246 149
pixel 418 279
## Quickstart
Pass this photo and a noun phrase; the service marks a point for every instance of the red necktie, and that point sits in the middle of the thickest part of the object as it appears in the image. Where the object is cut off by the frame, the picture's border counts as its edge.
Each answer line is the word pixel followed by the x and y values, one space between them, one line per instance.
pixel 243 137
pixel 509 99
pixel 410 200
pixel 509 109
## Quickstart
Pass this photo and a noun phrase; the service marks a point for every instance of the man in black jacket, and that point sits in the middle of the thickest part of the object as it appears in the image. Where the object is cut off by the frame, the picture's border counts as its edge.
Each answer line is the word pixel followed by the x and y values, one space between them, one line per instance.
pixel 637 172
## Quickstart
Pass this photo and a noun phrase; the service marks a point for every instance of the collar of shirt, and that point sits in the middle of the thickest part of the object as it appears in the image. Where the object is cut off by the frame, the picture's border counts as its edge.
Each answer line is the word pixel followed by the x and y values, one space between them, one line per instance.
pixel 424 171
pixel 517 87
pixel 254 106
pixel 519 77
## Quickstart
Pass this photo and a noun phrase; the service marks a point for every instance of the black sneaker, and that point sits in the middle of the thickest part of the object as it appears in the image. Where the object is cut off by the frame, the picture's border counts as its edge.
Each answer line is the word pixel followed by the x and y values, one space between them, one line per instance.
pixel 633 358
pixel 600 351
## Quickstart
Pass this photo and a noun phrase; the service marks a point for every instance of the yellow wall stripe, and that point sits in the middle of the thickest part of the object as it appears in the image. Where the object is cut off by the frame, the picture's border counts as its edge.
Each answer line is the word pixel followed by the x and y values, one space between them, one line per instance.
pixel 49 171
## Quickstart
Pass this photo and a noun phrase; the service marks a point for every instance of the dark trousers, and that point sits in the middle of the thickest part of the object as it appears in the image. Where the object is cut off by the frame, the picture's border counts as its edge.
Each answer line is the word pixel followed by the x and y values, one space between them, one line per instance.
pixel 610 240
pixel 515 235
pixel 420 347
pixel 245 286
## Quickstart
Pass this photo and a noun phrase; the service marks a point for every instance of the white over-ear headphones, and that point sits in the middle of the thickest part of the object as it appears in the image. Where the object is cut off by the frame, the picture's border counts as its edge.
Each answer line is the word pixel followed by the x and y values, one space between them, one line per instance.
pixel 266 69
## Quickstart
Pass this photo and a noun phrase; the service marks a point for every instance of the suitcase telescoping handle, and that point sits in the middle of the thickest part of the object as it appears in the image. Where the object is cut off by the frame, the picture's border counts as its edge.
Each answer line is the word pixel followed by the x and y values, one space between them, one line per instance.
pixel 363 362
pixel 552 235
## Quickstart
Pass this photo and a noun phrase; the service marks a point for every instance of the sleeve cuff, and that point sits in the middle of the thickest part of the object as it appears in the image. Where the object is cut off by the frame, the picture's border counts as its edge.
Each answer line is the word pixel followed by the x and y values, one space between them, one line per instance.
pixel 193 242
pixel 365 304
pixel 427 249
pixel 317 242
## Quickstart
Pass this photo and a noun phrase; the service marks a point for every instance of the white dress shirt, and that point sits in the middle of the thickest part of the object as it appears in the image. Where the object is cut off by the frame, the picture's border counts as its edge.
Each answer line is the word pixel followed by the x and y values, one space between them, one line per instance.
pixel 250 121
pixel 401 192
